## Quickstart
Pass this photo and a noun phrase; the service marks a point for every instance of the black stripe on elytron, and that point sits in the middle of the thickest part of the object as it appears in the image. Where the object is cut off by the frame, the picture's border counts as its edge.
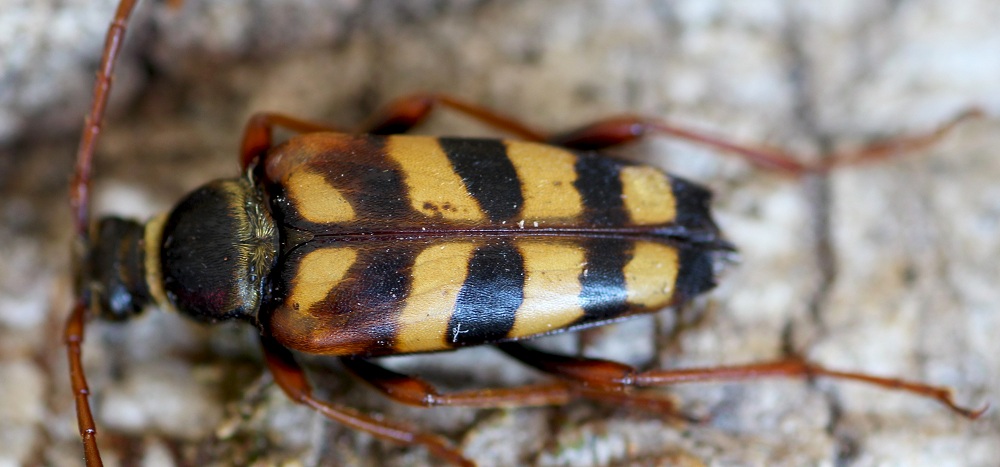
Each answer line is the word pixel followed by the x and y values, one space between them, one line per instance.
pixel 368 178
pixel 600 188
pixel 603 295
pixel 382 277
pixel 490 296
pixel 488 174
pixel 693 204
pixel 368 300
pixel 382 191
pixel 695 274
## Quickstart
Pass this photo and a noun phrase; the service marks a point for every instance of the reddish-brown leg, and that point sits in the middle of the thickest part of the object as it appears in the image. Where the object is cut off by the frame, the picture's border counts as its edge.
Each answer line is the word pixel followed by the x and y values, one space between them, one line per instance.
pixel 609 375
pixel 409 111
pixel 403 114
pixel 291 378
pixel 398 117
pixel 415 391
pixel 258 134
pixel 628 128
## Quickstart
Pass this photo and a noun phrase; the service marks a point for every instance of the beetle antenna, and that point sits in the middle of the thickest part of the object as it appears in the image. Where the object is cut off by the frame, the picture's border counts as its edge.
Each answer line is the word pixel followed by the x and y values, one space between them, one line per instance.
pixel 80 186
pixel 79 199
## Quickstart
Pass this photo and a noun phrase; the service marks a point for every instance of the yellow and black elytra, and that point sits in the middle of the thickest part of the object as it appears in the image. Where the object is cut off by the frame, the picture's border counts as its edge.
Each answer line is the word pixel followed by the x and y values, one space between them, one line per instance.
pixel 379 245
pixel 435 243
pixel 374 244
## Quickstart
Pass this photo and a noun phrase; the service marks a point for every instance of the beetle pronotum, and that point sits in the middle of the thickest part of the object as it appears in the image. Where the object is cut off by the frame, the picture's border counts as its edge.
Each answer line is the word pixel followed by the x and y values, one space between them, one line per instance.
pixel 605 216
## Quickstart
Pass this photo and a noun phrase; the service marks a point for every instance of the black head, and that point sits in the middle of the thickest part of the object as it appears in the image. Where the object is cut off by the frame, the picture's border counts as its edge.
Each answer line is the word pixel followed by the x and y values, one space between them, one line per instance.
pixel 115 275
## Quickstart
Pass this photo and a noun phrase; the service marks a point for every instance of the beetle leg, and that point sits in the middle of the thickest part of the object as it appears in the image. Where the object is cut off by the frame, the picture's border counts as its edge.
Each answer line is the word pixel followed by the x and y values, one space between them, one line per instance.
pixel 415 391
pixel 407 112
pixel 259 132
pixel 628 128
pixel 292 379
pixel 609 375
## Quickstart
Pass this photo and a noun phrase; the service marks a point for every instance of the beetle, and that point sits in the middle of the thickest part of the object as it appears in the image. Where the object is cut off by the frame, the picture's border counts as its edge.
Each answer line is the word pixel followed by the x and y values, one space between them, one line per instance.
pixel 375 244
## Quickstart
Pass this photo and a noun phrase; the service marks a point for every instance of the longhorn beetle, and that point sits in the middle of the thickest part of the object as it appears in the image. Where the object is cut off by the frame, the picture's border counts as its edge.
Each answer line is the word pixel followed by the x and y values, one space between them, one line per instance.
pixel 372 243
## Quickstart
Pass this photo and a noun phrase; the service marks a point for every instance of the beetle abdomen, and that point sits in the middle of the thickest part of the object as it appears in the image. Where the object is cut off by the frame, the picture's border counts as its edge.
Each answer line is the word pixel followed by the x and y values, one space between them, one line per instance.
pixel 410 244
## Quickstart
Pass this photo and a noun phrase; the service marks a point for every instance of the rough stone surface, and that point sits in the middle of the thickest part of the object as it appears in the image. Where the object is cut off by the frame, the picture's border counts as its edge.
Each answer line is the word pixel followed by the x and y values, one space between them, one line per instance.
pixel 889 268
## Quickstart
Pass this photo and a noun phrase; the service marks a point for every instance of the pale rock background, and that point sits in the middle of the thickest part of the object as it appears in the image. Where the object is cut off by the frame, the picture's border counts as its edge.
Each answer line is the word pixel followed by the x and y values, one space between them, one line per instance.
pixel 891 268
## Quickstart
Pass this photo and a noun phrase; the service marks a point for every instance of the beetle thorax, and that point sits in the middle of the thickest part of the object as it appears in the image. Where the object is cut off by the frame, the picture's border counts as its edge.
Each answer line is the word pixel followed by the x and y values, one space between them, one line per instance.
pixel 214 252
